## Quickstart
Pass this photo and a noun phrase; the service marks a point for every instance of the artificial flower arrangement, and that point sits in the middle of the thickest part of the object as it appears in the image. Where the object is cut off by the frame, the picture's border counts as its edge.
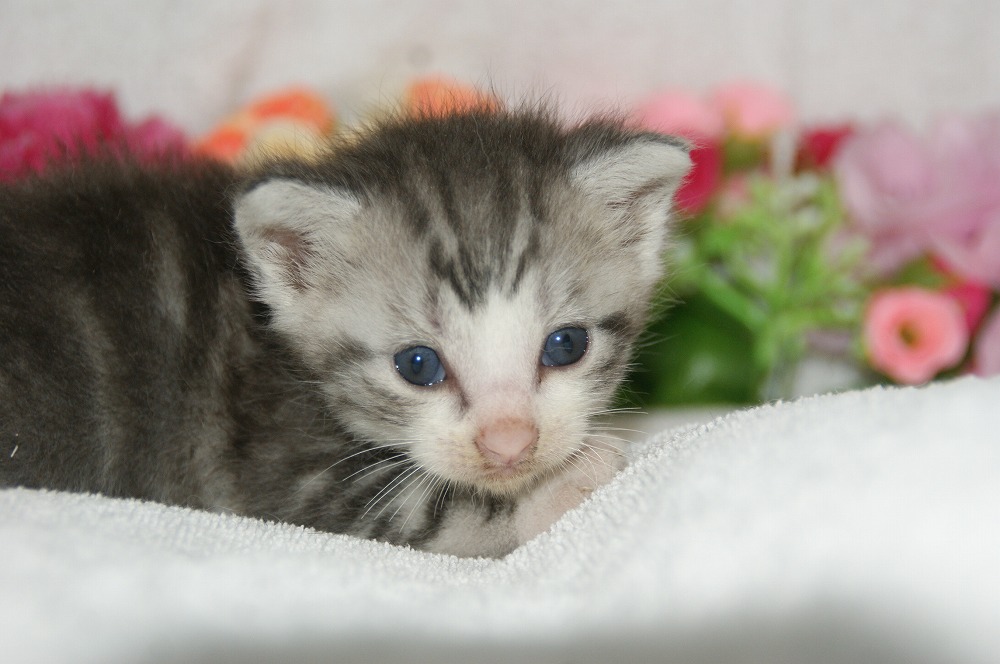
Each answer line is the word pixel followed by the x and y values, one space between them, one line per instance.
pixel 873 247
pixel 870 246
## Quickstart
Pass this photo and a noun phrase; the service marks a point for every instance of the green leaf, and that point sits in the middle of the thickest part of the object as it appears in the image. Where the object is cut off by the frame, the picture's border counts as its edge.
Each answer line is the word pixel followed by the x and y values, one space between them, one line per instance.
pixel 702 355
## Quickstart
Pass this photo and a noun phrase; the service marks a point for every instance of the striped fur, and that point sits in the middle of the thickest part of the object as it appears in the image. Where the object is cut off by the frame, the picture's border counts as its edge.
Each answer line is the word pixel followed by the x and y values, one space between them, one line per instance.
pixel 202 337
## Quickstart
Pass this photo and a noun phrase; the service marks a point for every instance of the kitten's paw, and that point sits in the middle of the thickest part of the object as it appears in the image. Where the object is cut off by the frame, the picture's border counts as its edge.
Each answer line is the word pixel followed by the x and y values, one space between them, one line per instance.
pixel 586 470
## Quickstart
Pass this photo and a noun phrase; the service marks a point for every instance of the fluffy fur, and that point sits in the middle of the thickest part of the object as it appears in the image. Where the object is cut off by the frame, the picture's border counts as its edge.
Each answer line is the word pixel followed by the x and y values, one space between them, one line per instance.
pixel 202 337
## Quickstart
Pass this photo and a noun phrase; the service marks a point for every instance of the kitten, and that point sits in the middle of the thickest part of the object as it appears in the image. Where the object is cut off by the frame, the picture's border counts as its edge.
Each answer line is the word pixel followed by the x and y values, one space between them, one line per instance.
pixel 407 339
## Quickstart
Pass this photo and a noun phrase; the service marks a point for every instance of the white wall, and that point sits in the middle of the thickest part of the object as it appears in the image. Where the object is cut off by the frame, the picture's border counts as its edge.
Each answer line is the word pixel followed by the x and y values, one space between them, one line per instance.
pixel 197 59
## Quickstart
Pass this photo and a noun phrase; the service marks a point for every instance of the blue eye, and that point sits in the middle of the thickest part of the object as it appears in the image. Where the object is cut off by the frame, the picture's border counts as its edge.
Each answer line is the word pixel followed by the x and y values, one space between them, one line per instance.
pixel 564 346
pixel 419 365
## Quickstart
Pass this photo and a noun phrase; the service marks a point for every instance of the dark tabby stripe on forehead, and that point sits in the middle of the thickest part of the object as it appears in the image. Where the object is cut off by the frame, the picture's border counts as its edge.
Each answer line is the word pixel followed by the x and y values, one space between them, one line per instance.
pixel 483 236
pixel 446 268
pixel 530 254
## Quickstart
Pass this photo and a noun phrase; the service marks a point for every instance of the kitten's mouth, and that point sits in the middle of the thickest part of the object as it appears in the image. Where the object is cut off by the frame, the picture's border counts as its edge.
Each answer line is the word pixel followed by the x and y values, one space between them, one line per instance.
pixel 508 471
pixel 511 478
pixel 507 480
pixel 506 458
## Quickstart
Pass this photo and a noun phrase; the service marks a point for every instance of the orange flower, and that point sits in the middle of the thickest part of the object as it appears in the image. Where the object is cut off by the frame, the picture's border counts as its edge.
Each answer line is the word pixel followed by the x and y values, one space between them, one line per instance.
pixel 289 114
pixel 437 96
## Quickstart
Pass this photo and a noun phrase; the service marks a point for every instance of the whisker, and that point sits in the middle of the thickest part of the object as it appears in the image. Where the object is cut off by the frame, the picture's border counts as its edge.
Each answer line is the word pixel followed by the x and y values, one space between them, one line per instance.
pixel 590 458
pixel 421 499
pixel 343 459
pixel 605 447
pixel 572 460
pixel 605 437
pixel 374 467
pixel 604 427
pixel 621 410
pixel 441 496
pixel 405 481
pixel 387 489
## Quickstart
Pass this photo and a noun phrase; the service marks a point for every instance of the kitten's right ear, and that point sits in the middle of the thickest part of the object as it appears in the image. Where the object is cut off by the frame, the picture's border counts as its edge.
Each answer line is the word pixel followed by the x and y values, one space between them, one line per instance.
pixel 635 180
pixel 645 165
pixel 293 234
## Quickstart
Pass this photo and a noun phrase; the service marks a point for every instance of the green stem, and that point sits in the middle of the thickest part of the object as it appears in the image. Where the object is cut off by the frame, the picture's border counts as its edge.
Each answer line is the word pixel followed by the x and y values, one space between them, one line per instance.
pixel 732 301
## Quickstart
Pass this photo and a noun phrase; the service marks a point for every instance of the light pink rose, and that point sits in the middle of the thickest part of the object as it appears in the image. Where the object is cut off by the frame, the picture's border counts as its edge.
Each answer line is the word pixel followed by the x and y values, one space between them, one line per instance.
pixel 986 357
pixel 938 194
pixel 753 111
pixel 973 254
pixel 911 334
pixel 968 238
pixel 683 114
pixel 888 184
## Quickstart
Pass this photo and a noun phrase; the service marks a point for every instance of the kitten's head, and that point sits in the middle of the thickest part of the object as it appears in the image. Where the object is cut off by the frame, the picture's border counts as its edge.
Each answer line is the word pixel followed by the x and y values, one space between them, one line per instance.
pixel 469 287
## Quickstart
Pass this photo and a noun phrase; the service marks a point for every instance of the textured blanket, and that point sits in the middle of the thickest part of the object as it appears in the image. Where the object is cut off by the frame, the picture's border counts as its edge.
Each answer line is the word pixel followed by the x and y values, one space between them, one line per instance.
pixel 857 527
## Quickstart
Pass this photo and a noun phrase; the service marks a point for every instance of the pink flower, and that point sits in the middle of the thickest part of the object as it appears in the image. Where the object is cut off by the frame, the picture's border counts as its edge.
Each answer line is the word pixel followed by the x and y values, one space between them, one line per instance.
pixel 974 254
pixel 37 128
pixel 885 177
pixel 752 111
pixel 683 114
pixel 986 357
pixel 911 334
pixel 939 194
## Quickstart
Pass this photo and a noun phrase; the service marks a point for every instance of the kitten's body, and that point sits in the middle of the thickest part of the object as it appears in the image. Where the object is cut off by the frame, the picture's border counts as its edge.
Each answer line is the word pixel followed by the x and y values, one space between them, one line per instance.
pixel 193 336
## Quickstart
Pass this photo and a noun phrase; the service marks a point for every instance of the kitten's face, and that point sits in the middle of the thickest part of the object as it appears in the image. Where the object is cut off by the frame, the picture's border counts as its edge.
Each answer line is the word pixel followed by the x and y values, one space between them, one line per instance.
pixel 474 315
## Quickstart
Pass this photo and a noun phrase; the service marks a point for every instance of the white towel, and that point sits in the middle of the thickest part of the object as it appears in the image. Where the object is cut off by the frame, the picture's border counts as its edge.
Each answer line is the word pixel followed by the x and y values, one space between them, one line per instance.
pixel 858 527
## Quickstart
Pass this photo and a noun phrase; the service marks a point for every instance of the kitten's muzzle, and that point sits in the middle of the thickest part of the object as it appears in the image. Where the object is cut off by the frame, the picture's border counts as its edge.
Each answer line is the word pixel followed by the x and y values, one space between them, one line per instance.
pixel 507 442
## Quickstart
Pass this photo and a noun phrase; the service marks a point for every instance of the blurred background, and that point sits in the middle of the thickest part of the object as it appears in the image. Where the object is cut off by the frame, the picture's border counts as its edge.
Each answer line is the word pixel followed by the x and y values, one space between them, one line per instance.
pixel 196 60
pixel 841 227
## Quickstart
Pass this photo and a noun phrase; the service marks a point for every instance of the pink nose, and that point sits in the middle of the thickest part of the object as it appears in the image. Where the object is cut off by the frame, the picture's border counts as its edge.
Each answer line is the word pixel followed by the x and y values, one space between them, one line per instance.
pixel 507 442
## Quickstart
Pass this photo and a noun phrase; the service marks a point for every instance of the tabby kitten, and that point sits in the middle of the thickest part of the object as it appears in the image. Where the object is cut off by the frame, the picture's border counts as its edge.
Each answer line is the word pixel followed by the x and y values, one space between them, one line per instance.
pixel 407 339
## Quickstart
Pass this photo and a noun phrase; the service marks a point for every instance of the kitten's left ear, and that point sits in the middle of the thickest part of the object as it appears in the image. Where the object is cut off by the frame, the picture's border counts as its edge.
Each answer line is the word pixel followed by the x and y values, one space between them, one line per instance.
pixel 636 180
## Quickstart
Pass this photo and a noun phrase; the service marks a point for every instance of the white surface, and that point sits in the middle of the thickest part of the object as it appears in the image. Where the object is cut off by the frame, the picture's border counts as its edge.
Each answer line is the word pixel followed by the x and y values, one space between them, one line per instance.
pixel 862 527
pixel 197 60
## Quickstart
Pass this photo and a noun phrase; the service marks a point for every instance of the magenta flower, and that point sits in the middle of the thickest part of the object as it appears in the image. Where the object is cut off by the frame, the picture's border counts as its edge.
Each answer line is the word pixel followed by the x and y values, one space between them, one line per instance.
pixel 986 356
pixel 693 118
pixel 37 128
pixel 819 145
pixel 973 298
pixel 703 180
pixel 939 195
pixel 911 334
